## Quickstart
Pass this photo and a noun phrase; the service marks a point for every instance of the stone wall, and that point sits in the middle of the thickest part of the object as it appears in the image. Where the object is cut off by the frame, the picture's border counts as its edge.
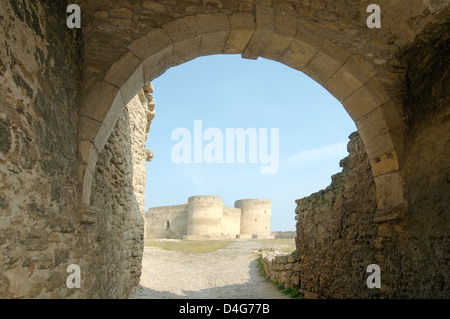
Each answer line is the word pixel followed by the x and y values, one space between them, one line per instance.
pixel 40 76
pixel 166 222
pixel 114 237
pixel 40 231
pixel 336 236
pixel 231 220
pixel 340 232
pixel 284 234
pixel 281 268
pixel 416 245
pixel 205 217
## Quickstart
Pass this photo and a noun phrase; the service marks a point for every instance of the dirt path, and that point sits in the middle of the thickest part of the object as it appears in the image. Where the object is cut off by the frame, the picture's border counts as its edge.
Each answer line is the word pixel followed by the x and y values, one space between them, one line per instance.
pixel 228 273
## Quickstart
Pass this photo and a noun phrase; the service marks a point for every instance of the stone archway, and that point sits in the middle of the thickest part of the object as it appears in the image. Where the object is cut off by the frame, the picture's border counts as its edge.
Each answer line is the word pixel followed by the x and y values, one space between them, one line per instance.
pixel 349 76
pixel 61 91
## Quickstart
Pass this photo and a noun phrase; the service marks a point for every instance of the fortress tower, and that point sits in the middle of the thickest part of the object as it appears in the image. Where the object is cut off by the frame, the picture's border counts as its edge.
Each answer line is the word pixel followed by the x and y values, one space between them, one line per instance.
pixel 204 216
pixel 255 217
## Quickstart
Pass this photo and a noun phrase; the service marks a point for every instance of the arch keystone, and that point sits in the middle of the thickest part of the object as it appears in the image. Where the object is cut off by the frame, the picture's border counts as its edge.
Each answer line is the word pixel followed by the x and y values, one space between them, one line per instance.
pixel 281 38
pixel 216 29
pixel 242 27
pixel 265 25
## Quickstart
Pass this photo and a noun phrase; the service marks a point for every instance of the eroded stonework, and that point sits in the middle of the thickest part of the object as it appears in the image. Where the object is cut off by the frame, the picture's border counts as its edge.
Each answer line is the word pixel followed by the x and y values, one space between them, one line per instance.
pixel 336 234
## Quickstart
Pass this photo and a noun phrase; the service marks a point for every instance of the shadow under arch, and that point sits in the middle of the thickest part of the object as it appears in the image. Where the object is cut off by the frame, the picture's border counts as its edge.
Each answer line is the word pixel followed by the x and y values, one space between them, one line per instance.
pixel 347 76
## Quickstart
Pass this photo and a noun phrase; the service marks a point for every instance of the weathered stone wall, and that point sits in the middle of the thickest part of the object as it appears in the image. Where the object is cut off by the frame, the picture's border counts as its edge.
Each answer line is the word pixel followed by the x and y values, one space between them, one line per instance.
pixel 416 245
pixel 339 234
pixel 336 236
pixel 284 234
pixel 114 237
pixel 166 222
pixel 281 268
pixel 40 231
pixel 40 67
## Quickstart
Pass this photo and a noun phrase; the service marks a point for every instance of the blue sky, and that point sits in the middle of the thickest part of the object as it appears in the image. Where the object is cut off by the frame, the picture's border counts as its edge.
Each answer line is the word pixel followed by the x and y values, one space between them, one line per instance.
pixel 226 91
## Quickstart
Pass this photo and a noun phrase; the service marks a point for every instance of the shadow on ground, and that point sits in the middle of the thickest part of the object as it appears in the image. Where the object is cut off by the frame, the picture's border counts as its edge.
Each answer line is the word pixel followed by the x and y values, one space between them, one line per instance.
pixel 257 287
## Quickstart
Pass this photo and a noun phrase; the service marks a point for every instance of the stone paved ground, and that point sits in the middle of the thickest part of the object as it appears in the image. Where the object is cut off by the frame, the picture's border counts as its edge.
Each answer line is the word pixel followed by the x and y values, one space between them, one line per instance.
pixel 228 273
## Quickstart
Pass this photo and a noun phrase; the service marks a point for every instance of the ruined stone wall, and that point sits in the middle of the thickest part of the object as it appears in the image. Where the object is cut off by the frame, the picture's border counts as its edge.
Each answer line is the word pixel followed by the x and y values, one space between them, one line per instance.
pixel 40 231
pixel 416 245
pixel 115 237
pixel 40 67
pixel 336 235
pixel 281 268
pixel 339 234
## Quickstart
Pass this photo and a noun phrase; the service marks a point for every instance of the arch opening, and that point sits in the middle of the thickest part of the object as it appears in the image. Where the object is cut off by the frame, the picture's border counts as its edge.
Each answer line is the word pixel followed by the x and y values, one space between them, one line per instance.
pixel 347 76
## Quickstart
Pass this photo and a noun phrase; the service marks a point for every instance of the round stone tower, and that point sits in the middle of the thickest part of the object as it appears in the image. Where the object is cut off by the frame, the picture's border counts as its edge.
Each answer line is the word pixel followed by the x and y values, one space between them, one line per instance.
pixel 255 216
pixel 204 216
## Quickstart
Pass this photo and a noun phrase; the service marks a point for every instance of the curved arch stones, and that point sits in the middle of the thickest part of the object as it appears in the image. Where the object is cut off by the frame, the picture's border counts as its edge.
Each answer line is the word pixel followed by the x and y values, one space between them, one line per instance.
pixel 348 77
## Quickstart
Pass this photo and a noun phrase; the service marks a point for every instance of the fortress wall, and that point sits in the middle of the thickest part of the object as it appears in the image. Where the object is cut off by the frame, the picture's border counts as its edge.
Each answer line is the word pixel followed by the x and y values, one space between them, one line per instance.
pixel 40 80
pixel 166 222
pixel 336 235
pixel 255 216
pixel 204 215
pixel 231 221
pixel 115 236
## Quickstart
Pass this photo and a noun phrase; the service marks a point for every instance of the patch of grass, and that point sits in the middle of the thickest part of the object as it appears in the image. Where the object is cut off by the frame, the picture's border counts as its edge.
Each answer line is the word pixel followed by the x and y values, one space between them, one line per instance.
pixel 190 246
pixel 262 271
pixel 293 293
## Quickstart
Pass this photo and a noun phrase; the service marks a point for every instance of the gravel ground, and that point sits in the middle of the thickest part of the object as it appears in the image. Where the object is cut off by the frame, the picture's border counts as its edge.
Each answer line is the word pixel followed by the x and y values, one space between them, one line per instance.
pixel 228 273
